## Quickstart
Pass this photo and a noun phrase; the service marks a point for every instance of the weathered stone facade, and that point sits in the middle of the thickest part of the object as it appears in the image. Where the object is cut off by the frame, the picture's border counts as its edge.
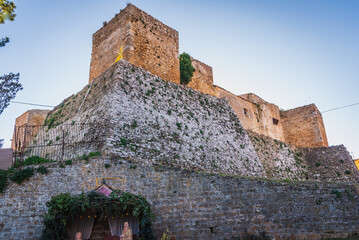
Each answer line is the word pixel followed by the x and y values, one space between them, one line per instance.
pixel 161 122
pixel 146 42
pixel 31 117
pixel 331 164
pixel 138 115
pixel 304 127
pixel 190 203
pixel 281 160
pixel 202 79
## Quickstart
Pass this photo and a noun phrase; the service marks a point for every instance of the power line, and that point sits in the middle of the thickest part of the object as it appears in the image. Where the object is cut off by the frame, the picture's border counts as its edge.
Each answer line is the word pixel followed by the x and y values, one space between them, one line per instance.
pixel 33 104
pixel 341 107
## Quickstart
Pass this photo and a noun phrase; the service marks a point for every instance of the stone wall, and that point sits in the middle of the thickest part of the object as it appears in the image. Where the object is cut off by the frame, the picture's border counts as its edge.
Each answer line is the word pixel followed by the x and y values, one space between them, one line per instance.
pixel 254 113
pixel 141 116
pixel 285 161
pixel 161 122
pixel 202 79
pixel 146 43
pixel 331 164
pixel 31 117
pixel 190 204
pixel 279 159
pixel 304 127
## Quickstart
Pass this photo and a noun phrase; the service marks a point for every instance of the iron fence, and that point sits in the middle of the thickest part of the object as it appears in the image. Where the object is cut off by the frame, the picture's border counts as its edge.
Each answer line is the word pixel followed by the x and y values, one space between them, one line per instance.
pixel 65 141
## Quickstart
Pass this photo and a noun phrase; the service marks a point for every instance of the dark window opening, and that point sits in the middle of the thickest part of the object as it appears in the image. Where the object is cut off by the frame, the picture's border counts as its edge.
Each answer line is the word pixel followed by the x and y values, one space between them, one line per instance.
pixel 245 111
pixel 275 121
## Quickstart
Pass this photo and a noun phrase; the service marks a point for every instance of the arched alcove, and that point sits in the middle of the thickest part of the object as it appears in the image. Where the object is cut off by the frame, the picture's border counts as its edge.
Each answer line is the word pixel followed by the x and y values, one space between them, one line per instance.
pixel 85 212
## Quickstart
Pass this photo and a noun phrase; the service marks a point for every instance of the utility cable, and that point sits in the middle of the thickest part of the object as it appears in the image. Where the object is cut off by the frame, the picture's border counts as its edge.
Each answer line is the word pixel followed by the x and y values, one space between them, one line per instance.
pixel 350 105
pixel 33 104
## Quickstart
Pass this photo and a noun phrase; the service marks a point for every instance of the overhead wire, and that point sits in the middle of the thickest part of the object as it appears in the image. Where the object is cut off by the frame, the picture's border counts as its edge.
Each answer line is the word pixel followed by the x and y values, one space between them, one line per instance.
pixel 33 104
pixel 350 105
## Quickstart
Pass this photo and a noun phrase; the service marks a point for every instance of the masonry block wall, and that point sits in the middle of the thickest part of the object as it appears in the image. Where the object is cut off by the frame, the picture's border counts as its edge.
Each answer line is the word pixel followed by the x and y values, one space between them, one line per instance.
pixel 331 164
pixel 31 117
pixel 159 122
pixel 146 42
pixel 254 113
pixel 281 160
pixel 138 115
pixel 202 79
pixel 190 203
pixel 304 127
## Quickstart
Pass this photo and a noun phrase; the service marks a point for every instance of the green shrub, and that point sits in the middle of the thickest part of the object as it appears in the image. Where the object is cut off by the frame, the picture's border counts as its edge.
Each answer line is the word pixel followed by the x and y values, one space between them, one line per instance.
pixel 179 125
pixel 134 124
pixel 94 154
pixel 3 180
pixel 123 141
pixel 68 162
pixel 337 193
pixel 347 172
pixel 318 164
pixel 34 160
pixel 22 175
pixel 186 68
pixel 42 170
pixel 107 165
pixel 50 122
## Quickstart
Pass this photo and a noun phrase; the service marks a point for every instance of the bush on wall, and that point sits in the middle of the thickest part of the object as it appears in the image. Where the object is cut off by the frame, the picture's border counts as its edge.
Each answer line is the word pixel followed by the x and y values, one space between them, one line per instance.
pixel 63 208
pixel 186 68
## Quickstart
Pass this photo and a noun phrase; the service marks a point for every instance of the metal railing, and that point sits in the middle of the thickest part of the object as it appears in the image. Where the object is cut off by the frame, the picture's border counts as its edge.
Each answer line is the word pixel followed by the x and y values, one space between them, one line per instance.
pixel 65 141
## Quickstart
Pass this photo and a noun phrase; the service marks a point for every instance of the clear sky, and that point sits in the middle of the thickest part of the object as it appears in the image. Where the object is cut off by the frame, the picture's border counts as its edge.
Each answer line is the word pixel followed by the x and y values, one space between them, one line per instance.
pixel 290 53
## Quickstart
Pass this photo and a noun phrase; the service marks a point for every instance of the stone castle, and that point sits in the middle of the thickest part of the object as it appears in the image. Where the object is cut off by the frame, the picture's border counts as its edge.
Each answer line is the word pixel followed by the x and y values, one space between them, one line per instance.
pixel 150 44
pixel 213 165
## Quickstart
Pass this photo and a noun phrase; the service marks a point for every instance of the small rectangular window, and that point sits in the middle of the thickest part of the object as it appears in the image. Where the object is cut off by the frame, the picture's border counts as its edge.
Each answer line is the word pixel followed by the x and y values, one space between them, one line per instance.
pixel 275 121
pixel 245 111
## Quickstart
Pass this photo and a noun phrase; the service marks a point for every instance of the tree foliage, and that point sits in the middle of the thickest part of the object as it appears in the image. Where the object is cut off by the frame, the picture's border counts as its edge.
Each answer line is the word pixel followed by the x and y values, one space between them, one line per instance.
pixel 186 68
pixel 7 9
pixel 9 86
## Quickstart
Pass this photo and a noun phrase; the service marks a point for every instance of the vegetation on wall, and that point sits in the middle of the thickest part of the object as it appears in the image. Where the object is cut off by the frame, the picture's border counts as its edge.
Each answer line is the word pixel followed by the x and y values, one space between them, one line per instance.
pixel 64 208
pixel 19 175
pixel 186 68
pixel 22 175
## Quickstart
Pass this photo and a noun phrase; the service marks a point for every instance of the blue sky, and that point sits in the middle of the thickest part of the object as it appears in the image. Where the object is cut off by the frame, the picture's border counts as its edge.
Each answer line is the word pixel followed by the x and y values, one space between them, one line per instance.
pixel 290 53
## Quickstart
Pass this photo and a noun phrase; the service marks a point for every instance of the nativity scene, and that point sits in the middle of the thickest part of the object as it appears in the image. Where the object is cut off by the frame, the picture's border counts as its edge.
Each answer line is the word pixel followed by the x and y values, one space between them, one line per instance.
pixel 102 214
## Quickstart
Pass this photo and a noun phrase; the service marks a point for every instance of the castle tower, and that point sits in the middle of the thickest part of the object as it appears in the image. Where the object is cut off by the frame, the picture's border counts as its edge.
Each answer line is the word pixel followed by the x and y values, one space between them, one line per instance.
pixel 146 43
